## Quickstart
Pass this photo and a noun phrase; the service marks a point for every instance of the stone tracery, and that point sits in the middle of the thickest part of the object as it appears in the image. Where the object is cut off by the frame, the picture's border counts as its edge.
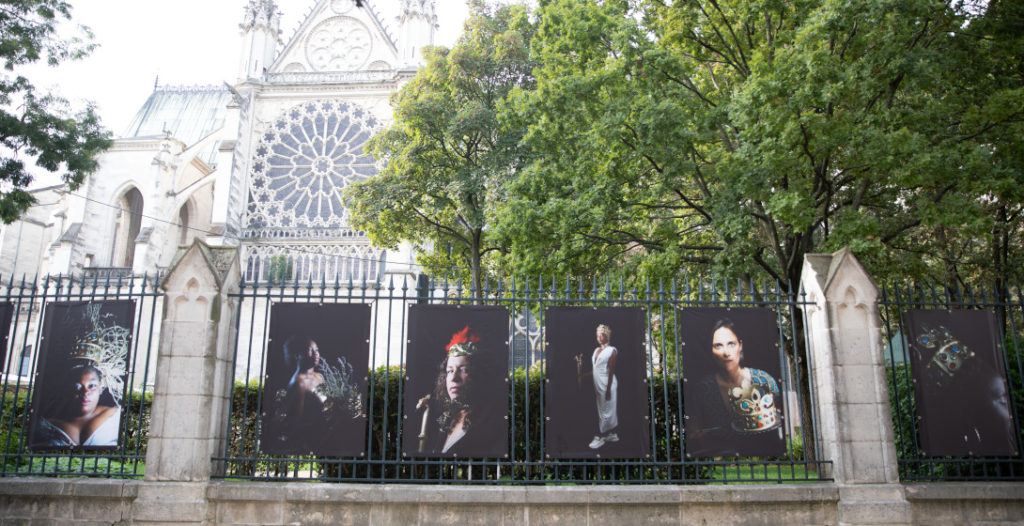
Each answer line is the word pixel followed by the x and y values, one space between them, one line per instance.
pixel 303 161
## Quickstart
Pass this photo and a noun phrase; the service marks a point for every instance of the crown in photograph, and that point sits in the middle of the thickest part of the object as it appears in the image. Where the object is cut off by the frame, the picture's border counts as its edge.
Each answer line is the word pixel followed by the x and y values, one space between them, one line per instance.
pixel 88 348
pixel 950 353
pixel 753 408
pixel 105 346
pixel 463 343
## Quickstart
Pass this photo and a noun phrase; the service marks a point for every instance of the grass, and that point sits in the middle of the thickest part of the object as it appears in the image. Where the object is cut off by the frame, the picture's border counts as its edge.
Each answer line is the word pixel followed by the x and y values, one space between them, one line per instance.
pixel 762 473
pixel 76 466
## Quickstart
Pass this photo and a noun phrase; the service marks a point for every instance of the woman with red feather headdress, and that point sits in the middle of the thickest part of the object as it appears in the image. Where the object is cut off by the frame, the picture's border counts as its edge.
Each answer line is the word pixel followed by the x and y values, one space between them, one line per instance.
pixel 457 400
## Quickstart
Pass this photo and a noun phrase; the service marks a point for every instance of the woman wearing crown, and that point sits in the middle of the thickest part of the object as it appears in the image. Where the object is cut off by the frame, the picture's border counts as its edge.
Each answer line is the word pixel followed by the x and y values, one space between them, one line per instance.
pixel 81 395
pixel 734 403
pixel 465 416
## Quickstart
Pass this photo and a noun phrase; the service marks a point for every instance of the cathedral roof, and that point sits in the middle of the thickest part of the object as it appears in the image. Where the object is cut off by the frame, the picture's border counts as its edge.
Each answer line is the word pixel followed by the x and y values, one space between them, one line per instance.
pixel 185 113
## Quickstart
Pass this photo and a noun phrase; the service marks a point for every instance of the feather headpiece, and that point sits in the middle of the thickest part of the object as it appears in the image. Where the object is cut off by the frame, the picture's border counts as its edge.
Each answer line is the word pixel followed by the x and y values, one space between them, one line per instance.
pixel 463 343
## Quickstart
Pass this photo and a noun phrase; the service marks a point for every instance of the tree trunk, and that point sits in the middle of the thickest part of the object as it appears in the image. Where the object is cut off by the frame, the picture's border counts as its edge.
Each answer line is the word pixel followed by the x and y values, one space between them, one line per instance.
pixel 474 267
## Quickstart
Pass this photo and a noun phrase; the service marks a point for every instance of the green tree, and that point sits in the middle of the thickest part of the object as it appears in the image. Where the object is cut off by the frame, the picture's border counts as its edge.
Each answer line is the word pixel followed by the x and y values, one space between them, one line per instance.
pixel 993 48
pixel 745 134
pixel 447 157
pixel 36 126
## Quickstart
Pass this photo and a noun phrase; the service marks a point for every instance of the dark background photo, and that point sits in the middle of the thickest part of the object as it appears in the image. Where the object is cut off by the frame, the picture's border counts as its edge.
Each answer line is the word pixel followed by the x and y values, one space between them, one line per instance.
pixel 759 332
pixel 431 328
pixel 570 405
pixel 65 323
pixel 341 332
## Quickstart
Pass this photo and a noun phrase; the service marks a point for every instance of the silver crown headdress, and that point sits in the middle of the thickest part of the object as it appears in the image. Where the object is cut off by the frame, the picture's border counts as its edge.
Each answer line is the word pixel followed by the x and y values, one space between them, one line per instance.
pixel 106 348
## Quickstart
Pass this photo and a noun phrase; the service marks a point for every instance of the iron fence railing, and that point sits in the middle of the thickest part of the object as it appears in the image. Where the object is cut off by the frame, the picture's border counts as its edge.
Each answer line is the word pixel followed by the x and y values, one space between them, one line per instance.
pixel 28 300
pixel 1007 306
pixel 527 461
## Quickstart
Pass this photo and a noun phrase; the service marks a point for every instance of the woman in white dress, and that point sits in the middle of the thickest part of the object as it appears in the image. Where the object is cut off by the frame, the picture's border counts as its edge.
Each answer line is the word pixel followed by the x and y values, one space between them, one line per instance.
pixel 606 387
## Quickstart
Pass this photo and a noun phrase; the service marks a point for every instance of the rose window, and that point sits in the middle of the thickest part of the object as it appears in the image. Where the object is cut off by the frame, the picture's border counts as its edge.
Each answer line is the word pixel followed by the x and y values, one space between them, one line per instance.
pixel 302 163
pixel 338 44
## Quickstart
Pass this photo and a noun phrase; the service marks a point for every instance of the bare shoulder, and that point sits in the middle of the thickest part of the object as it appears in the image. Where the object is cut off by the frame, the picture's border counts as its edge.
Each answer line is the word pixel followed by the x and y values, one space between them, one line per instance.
pixel 105 412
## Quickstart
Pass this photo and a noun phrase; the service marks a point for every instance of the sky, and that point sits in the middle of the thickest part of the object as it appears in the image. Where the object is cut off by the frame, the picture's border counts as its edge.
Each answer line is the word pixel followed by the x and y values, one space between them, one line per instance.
pixel 184 42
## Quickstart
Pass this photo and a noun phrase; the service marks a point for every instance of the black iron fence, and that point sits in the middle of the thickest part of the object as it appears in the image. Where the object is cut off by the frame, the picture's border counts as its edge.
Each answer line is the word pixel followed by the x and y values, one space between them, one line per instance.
pixel 915 463
pixel 527 461
pixel 28 300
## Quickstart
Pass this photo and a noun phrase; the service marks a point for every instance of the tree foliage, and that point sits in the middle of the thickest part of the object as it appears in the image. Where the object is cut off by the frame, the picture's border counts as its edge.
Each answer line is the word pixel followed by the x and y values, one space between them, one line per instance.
pixel 744 134
pixel 447 157
pixel 40 127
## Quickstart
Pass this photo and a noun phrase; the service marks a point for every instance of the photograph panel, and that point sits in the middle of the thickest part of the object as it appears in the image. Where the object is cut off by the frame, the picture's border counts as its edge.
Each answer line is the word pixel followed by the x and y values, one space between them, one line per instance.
pixel 6 313
pixel 81 375
pixel 731 382
pixel 315 390
pixel 960 383
pixel 596 399
pixel 456 386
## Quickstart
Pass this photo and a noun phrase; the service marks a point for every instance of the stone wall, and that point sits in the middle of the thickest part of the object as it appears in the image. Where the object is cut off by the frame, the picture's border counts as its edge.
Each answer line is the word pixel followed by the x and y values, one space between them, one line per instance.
pixel 71 501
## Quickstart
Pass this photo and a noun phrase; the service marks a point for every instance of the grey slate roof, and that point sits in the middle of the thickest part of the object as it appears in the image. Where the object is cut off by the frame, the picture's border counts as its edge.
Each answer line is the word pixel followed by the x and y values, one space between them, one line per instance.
pixel 186 113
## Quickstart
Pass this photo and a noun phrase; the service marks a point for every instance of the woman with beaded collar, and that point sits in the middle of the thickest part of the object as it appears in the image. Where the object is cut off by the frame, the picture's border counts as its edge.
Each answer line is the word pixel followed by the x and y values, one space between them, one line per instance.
pixel 735 403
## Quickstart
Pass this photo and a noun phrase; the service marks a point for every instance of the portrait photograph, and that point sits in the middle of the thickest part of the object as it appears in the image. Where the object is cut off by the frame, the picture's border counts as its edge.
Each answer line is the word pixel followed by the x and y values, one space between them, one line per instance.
pixel 81 375
pixel 314 391
pixel 456 382
pixel 596 397
pixel 960 383
pixel 732 390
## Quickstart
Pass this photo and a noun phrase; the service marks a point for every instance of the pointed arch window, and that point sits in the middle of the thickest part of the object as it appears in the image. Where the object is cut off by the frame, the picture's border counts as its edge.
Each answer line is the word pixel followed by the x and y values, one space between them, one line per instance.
pixel 126 228
pixel 184 228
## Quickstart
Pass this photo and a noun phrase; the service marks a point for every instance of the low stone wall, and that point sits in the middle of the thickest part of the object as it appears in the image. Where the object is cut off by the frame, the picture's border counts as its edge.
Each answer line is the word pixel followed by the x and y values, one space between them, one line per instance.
pixel 988 503
pixel 394 504
pixel 93 502
pixel 66 501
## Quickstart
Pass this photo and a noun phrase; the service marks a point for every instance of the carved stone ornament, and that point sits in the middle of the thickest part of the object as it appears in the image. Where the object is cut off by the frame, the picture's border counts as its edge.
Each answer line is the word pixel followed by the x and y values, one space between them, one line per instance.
pixel 340 43
pixel 342 6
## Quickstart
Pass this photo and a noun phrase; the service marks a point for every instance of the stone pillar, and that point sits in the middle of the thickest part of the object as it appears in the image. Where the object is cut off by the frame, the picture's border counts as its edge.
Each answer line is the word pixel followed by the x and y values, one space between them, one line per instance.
pixel 850 389
pixel 193 385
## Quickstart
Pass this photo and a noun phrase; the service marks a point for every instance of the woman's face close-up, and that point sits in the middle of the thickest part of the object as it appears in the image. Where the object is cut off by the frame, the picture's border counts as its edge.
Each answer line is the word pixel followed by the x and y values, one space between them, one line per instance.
pixel 727 347
pixel 87 391
pixel 602 338
pixel 457 376
pixel 312 357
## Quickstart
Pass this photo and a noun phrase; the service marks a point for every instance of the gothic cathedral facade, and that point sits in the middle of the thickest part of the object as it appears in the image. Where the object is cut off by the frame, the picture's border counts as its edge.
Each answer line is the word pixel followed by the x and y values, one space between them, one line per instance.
pixel 259 164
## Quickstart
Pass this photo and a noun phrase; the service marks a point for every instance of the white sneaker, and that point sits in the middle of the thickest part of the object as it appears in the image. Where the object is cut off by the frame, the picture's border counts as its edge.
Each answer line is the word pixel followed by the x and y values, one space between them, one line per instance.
pixel 611 437
pixel 596 442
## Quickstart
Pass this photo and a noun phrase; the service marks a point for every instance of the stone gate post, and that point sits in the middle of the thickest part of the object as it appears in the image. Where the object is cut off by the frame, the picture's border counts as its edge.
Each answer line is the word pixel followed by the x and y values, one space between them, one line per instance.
pixel 193 385
pixel 850 389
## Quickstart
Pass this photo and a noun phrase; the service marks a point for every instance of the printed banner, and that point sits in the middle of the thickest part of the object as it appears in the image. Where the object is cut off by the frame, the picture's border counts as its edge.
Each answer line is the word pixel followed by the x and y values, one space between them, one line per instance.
pixel 314 395
pixel 456 389
pixel 960 383
pixel 596 397
pixel 82 374
pixel 6 313
pixel 731 388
